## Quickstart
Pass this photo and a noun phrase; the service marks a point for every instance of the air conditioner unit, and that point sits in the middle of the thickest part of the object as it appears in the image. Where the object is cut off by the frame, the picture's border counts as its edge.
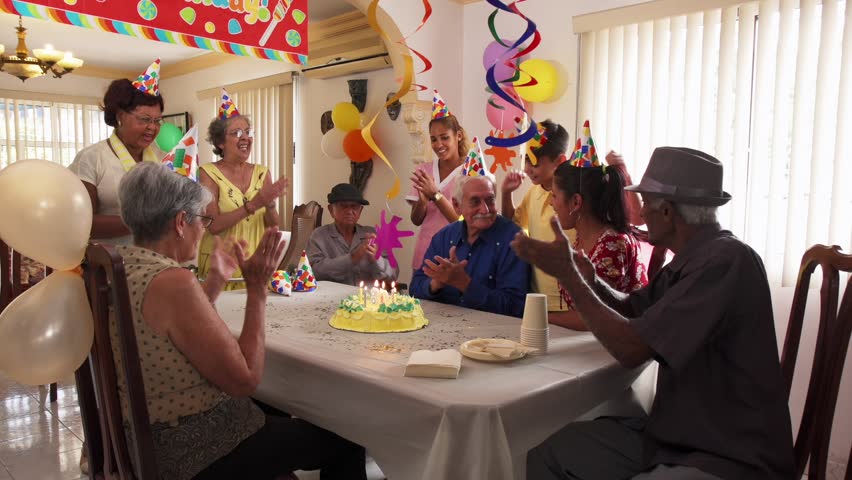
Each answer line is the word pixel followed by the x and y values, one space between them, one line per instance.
pixel 344 45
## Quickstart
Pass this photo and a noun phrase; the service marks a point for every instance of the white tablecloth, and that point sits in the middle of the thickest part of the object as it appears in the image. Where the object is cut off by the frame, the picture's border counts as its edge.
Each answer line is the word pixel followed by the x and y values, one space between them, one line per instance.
pixel 479 426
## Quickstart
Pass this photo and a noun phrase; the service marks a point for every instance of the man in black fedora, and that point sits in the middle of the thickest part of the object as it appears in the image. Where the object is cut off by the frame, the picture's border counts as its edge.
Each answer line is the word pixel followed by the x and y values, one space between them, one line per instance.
pixel 344 251
pixel 720 410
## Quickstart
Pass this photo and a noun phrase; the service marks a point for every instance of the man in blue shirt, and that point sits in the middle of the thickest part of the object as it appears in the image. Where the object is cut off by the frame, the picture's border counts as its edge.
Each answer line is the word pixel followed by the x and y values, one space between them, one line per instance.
pixel 490 276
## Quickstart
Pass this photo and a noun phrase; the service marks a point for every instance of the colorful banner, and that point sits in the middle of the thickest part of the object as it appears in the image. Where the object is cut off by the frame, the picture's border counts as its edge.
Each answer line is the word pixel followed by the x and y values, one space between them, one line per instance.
pixel 270 29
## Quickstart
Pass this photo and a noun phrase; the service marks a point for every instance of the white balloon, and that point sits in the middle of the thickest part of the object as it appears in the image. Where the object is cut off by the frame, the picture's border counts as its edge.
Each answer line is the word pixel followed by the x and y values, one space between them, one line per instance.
pixel 332 143
pixel 46 333
pixel 45 213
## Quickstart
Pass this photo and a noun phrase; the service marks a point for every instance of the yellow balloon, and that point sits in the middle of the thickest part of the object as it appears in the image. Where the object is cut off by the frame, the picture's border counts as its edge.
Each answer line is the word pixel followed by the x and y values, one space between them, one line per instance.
pixel 46 332
pixel 346 117
pixel 45 213
pixel 550 84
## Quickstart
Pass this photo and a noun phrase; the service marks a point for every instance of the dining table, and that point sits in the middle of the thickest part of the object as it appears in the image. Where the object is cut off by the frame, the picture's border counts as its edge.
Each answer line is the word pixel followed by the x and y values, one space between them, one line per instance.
pixel 477 426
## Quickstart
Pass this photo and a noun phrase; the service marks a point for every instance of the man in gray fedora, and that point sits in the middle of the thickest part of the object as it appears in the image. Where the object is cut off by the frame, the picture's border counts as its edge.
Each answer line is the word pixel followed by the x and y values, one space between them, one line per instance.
pixel 720 410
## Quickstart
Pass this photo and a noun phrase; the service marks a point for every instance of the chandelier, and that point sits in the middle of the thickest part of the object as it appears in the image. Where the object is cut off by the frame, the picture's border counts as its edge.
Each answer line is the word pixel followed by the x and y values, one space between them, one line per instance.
pixel 43 61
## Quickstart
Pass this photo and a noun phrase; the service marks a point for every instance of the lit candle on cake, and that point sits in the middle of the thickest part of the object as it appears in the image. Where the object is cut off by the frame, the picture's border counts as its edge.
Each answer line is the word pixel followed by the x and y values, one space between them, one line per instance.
pixel 374 292
pixel 361 292
pixel 393 291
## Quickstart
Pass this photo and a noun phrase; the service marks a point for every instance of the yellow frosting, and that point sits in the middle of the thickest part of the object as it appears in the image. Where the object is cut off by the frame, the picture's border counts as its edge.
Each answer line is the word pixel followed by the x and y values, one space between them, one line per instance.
pixel 401 314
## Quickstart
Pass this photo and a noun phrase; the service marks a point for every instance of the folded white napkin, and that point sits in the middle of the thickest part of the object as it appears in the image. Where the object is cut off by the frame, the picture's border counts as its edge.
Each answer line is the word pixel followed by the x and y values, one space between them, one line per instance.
pixel 427 363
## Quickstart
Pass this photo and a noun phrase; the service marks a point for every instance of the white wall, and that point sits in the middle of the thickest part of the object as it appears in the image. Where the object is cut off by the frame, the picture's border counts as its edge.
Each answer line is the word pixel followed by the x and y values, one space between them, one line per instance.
pixel 72 85
pixel 319 173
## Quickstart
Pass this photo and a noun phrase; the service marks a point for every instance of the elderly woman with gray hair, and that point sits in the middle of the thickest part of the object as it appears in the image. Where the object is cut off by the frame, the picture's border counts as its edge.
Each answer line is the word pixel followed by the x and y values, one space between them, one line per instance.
pixel 244 195
pixel 197 375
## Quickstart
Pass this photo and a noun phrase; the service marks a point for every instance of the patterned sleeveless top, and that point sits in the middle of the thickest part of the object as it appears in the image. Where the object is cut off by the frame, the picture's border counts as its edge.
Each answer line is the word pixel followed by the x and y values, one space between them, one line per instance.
pixel 193 422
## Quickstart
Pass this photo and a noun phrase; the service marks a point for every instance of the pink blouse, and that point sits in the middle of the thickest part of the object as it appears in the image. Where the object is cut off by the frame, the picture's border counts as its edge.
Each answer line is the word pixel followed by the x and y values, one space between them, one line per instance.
pixel 434 219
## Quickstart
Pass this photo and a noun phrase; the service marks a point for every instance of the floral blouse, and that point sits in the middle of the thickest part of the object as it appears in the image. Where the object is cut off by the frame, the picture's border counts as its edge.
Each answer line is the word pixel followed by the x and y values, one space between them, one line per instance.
pixel 616 260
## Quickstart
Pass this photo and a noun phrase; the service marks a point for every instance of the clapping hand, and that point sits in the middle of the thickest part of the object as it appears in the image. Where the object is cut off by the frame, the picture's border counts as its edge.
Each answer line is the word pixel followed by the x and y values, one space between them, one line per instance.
pixel 447 271
pixel 367 248
pixel 554 258
pixel 222 261
pixel 270 192
pixel 424 183
pixel 259 267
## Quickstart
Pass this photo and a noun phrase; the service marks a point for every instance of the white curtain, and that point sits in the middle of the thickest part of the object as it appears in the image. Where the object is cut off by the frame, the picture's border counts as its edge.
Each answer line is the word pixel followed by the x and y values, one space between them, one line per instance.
pixel 47 130
pixel 765 87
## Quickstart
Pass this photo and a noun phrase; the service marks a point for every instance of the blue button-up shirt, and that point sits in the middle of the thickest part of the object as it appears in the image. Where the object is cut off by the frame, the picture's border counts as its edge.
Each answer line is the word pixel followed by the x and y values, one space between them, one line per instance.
pixel 499 280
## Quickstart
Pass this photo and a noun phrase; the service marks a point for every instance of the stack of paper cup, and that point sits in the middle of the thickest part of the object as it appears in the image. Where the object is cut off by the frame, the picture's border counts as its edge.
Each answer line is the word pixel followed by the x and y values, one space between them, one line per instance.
pixel 534 327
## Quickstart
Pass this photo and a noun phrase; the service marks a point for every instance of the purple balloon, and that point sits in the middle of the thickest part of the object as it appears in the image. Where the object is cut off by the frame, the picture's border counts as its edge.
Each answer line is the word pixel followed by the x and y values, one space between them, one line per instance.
pixel 495 55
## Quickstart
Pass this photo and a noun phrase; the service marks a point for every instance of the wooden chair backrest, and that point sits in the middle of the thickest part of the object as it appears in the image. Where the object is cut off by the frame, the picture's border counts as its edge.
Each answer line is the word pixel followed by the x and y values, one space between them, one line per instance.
pixel 835 326
pixel 110 455
pixel 306 218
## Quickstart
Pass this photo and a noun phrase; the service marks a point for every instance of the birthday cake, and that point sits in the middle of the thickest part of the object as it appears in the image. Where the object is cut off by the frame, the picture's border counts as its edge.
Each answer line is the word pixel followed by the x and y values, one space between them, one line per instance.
pixel 379 313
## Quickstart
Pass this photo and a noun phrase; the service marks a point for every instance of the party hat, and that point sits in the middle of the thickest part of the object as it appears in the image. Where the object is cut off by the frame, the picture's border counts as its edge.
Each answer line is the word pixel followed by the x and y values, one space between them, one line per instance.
pixel 537 142
pixel 474 163
pixel 227 109
pixel 585 154
pixel 183 159
pixel 439 107
pixel 303 279
pixel 280 283
pixel 149 82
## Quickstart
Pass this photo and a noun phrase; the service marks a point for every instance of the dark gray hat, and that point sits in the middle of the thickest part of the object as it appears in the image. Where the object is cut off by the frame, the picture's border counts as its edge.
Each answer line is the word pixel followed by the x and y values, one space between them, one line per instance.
pixel 344 192
pixel 683 175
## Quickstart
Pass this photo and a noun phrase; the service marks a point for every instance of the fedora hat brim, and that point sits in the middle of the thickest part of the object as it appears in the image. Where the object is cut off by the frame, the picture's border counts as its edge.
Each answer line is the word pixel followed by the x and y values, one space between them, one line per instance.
pixel 704 200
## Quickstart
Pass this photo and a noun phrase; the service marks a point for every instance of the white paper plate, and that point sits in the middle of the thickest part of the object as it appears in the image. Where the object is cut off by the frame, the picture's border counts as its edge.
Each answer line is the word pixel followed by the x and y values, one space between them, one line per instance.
pixel 475 349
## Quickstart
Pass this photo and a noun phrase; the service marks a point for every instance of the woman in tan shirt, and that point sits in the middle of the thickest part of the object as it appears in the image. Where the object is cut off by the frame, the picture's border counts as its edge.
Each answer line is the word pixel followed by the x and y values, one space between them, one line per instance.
pixel 197 376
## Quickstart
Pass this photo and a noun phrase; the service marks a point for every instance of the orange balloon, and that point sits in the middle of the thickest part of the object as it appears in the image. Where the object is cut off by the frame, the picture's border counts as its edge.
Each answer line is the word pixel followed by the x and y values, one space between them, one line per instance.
pixel 356 148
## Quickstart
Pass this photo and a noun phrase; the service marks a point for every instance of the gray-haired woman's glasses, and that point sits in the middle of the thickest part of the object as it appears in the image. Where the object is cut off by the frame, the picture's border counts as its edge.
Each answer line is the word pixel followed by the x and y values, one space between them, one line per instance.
pixel 240 133
pixel 205 220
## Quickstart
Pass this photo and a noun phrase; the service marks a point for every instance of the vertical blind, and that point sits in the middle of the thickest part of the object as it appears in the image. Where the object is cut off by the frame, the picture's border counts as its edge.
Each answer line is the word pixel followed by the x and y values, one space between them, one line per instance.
pixel 54 131
pixel 763 86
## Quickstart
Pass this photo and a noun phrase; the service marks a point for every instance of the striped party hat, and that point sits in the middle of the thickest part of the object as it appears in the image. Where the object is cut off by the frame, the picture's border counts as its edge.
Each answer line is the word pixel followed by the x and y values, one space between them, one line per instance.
pixel 585 154
pixel 149 82
pixel 183 159
pixel 227 109
pixel 439 107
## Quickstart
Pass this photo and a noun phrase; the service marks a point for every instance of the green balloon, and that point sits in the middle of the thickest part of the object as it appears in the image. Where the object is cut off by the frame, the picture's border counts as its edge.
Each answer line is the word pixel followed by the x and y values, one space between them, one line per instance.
pixel 168 137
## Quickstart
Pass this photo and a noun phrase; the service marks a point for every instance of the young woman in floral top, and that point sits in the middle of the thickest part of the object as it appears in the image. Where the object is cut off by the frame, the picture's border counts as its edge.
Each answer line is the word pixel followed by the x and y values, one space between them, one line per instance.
pixel 591 200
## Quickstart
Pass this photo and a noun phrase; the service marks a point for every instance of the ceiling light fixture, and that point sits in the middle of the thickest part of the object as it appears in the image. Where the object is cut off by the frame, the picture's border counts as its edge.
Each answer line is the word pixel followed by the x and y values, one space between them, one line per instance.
pixel 43 61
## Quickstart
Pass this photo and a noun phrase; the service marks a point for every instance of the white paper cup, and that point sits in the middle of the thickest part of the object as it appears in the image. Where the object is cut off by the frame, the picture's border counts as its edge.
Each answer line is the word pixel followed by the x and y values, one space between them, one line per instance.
pixel 535 311
pixel 536 338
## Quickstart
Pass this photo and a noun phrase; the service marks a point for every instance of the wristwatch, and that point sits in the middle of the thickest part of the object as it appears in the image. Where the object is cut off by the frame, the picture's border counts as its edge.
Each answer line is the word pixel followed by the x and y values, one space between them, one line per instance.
pixel 438 196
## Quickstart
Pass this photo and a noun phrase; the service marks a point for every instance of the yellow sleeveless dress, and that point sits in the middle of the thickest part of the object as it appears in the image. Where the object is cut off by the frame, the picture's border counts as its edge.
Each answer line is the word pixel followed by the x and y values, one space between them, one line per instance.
pixel 231 198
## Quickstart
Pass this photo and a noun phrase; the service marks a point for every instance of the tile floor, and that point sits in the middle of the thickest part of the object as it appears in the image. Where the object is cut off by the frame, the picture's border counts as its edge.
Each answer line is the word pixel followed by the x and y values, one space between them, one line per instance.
pixel 40 440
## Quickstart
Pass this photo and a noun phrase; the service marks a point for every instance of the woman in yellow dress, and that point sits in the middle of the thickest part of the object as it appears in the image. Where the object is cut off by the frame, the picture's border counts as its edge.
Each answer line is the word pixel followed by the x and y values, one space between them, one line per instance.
pixel 244 195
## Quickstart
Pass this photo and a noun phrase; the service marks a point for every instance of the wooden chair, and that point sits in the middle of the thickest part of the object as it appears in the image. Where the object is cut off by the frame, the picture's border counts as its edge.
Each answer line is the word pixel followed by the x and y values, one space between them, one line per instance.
pixel 306 218
pixel 110 456
pixel 12 285
pixel 835 326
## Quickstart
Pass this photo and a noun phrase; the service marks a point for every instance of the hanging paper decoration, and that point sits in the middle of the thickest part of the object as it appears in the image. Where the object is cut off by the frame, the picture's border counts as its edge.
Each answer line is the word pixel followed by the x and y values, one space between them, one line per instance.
pixel 303 279
pixel 270 29
pixel 183 158
pixel 387 238
pixel 280 283
pixel 405 85
pixel 502 155
pixel 490 76
pixel 585 154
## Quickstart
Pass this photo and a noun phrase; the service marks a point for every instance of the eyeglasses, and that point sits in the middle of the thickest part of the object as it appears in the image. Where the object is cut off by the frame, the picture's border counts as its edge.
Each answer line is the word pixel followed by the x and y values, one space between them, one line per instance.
pixel 146 120
pixel 205 220
pixel 357 207
pixel 239 133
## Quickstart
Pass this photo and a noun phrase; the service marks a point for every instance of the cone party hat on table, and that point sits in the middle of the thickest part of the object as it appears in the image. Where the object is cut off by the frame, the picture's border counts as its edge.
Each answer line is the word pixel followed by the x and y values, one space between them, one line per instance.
pixel 474 163
pixel 149 81
pixel 439 107
pixel 227 109
pixel 183 159
pixel 585 153
pixel 303 279
pixel 280 283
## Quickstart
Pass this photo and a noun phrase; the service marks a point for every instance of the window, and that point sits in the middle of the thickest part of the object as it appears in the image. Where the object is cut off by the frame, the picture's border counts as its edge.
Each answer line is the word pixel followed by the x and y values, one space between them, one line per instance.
pixel 765 86
pixel 47 130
